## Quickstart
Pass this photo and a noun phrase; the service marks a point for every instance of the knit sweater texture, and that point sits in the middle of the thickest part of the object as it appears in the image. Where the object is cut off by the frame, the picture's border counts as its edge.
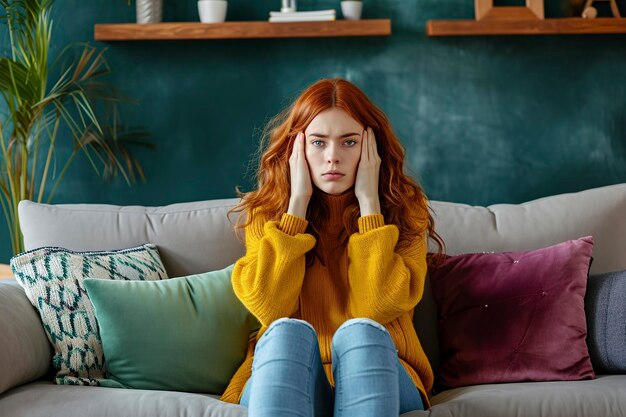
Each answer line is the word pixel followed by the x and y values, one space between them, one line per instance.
pixel 367 277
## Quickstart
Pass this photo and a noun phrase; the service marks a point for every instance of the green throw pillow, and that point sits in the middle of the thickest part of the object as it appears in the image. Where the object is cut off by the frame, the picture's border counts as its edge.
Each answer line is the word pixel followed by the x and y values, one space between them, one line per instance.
pixel 181 334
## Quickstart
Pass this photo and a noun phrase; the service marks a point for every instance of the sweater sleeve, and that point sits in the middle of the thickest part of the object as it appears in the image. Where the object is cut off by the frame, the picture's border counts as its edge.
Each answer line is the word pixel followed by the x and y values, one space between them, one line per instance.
pixel 268 279
pixel 384 282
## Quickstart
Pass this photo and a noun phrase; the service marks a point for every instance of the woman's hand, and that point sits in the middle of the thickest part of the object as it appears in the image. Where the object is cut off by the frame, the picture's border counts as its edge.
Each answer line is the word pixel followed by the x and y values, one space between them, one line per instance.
pixel 301 187
pixel 366 184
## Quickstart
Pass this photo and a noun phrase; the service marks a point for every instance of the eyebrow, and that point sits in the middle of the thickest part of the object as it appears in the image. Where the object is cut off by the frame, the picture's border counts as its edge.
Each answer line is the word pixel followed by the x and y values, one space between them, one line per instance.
pixel 345 135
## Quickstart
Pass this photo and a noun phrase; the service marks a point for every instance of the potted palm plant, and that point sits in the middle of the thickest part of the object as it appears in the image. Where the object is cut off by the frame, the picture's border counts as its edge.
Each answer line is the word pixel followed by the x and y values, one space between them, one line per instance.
pixel 48 120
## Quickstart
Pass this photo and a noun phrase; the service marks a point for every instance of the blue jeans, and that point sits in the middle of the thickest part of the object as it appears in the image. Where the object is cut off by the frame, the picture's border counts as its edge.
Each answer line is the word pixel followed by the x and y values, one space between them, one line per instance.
pixel 288 378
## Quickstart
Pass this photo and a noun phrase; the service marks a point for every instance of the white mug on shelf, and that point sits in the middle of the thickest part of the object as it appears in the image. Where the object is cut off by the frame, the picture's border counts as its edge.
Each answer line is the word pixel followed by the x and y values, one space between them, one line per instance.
pixel 351 9
pixel 212 11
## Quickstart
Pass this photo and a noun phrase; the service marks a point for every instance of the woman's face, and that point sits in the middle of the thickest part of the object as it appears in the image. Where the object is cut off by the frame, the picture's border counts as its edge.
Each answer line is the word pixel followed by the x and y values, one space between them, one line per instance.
pixel 333 150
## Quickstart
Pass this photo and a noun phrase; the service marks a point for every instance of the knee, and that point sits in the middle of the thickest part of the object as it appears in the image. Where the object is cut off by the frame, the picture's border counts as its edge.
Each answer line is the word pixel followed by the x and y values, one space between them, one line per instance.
pixel 361 325
pixel 289 329
pixel 286 323
pixel 360 331
pixel 286 339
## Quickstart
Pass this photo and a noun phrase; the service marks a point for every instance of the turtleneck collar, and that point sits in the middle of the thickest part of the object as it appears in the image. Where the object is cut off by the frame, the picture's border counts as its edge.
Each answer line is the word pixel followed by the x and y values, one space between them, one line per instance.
pixel 337 204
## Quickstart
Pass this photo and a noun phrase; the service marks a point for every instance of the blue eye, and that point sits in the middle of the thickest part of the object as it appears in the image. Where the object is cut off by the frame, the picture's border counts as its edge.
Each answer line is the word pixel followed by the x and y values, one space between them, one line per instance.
pixel 317 142
pixel 350 142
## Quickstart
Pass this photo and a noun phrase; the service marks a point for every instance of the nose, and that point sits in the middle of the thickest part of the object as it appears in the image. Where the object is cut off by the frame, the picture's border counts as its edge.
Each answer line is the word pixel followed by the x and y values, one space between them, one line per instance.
pixel 332 153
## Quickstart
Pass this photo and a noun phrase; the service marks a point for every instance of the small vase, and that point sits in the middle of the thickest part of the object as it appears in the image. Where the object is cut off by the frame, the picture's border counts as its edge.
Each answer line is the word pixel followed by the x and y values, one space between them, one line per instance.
pixel 149 11
pixel 351 9
pixel 212 11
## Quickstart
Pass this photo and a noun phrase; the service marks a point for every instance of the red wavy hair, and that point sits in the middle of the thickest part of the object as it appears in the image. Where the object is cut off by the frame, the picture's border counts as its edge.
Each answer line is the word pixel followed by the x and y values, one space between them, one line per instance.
pixel 402 200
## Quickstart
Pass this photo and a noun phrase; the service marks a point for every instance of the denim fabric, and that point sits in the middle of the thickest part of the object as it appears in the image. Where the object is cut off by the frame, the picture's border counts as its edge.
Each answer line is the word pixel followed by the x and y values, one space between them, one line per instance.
pixel 287 374
pixel 288 378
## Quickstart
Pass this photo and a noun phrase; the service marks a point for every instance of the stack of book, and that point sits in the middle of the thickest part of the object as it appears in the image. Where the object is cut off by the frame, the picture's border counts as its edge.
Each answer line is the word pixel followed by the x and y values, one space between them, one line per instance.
pixel 309 16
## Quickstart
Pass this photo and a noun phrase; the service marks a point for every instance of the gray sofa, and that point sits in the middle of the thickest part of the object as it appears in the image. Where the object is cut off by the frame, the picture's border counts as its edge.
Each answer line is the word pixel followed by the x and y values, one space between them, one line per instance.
pixel 197 237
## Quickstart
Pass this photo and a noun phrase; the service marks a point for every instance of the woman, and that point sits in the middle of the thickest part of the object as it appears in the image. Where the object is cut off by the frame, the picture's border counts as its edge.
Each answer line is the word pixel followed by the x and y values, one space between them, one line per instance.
pixel 336 241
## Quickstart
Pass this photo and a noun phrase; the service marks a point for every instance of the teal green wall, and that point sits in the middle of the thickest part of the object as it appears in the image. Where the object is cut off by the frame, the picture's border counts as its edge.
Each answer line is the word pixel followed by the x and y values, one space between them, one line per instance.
pixel 484 119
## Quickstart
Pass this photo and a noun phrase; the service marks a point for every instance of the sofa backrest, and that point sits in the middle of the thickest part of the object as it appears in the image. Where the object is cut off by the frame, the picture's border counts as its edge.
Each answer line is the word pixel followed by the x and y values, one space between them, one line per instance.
pixel 192 237
pixel 197 237
pixel 600 212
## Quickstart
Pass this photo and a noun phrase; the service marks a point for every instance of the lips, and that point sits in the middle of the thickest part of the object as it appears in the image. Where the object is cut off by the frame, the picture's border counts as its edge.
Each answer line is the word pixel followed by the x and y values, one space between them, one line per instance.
pixel 333 175
pixel 333 172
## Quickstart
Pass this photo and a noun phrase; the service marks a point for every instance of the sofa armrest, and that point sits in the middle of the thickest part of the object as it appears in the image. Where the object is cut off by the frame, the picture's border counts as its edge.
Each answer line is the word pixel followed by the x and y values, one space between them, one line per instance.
pixel 25 353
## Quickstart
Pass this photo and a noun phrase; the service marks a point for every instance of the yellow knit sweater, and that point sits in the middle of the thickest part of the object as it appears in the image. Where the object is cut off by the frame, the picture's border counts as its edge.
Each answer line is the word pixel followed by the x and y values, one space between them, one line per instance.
pixel 365 278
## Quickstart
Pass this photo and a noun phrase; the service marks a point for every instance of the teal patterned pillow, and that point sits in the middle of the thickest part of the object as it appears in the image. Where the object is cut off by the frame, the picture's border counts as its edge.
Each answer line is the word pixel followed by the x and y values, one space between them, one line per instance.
pixel 53 281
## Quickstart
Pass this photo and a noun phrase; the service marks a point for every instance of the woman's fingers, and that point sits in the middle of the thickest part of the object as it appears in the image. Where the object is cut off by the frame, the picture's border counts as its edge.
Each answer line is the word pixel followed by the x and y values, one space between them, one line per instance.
pixel 294 150
pixel 373 148
pixel 301 147
pixel 298 149
pixel 298 146
pixel 301 187
pixel 364 146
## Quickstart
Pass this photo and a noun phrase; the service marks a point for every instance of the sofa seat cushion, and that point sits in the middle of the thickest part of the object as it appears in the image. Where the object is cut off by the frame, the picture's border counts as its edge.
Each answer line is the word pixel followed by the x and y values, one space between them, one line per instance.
pixel 44 399
pixel 604 396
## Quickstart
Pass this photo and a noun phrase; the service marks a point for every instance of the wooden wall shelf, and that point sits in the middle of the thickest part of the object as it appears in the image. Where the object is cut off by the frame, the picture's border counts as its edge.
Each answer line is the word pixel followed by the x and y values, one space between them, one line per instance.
pixel 564 26
pixel 240 30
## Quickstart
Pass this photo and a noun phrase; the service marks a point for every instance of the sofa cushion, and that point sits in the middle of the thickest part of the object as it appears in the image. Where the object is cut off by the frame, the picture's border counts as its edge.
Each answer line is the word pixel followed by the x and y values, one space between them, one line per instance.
pixel 604 396
pixel 513 316
pixel 597 212
pixel 196 344
pixel 25 353
pixel 42 399
pixel 606 320
pixel 192 237
pixel 53 281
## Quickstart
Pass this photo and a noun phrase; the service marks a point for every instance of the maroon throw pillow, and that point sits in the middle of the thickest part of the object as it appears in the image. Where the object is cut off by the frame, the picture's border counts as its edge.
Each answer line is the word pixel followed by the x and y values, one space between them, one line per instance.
pixel 513 316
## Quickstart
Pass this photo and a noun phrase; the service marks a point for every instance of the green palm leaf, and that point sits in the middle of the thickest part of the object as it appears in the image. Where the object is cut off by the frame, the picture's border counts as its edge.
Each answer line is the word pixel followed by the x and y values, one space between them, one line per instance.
pixel 39 108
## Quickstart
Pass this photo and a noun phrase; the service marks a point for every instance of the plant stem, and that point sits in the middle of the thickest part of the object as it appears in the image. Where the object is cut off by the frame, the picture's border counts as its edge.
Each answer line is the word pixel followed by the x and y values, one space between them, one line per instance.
pixel 7 194
pixel 44 176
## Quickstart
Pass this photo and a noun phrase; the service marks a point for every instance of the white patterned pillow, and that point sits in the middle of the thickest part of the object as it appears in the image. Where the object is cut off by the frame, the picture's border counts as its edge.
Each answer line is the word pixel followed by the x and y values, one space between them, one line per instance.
pixel 53 281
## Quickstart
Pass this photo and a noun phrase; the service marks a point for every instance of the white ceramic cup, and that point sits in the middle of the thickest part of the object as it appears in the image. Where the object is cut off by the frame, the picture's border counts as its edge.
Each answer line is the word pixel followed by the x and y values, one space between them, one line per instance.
pixel 212 11
pixel 351 9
